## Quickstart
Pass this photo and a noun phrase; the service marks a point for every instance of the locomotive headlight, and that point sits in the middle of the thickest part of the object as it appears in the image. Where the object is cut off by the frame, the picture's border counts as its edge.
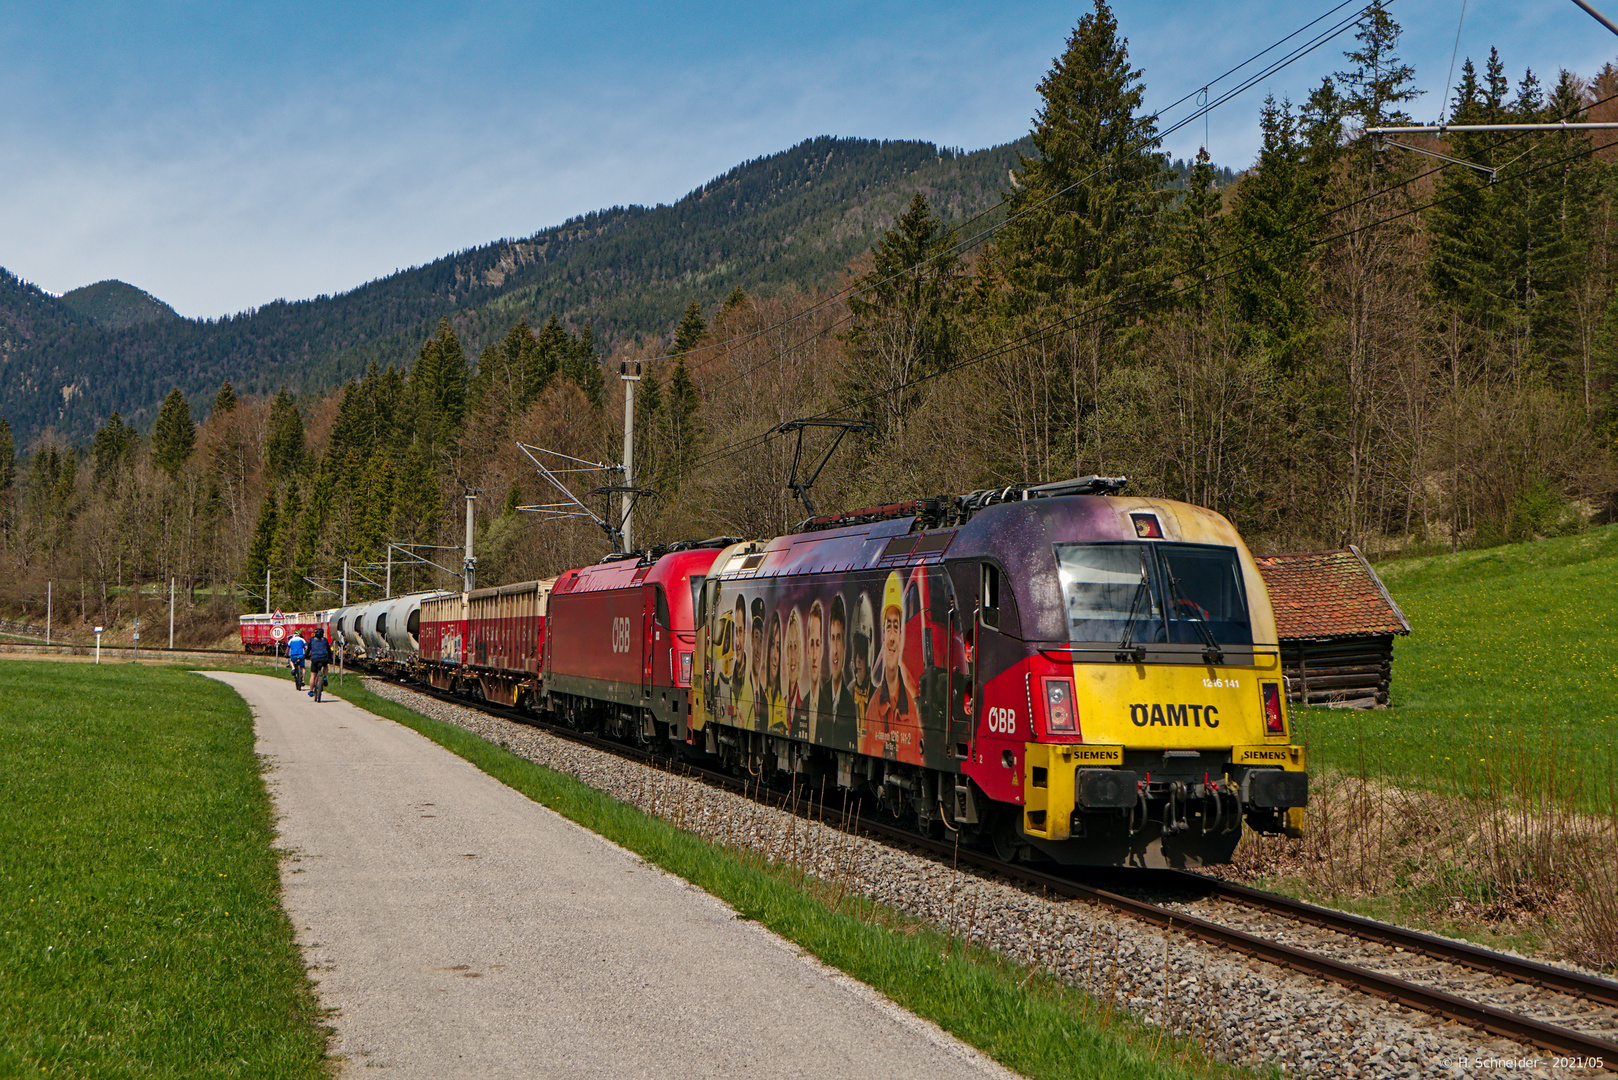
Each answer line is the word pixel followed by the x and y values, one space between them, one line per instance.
pixel 685 669
pixel 1274 724
pixel 1060 714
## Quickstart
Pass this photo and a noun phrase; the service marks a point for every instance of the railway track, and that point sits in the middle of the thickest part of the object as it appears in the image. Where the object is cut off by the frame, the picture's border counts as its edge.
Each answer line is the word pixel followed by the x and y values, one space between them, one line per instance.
pixel 1589 1001
pixel 79 648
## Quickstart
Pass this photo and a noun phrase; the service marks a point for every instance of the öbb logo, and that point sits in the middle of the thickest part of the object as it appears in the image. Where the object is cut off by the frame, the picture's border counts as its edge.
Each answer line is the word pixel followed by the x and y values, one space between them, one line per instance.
pixel 621 635
pixel 1002 721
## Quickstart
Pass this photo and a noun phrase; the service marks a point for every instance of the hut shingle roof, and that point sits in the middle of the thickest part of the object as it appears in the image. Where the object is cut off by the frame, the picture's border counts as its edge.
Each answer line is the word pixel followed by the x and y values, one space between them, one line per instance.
pixel 1329 594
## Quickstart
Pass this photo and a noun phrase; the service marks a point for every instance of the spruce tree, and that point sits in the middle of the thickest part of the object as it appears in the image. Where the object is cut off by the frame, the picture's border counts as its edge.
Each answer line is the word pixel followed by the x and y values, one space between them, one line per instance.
pixel 685 427
pixel 286 541
pixel 1380 82
pixel 905 314
pixel 1271 271
pixel 583 366
pixel 225 400
pixel 417 500
pixel 1197 242
pixel 8 457
pixel 1086 213
pixel 284 446
pixel 263 542
pixel 690 330
pixel 175 435
pixel 111 448
pixel 650 430
pixel 438 382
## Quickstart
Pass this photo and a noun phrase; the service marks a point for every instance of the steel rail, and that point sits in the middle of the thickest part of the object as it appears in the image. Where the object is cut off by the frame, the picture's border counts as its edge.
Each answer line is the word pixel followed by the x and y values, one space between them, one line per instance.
pixel 1525 1029
pixel 1545 976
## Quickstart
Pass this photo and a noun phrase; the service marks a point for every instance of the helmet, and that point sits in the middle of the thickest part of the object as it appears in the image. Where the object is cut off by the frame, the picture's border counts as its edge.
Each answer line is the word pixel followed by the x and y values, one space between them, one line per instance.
pixel 863 627
pixel 893 593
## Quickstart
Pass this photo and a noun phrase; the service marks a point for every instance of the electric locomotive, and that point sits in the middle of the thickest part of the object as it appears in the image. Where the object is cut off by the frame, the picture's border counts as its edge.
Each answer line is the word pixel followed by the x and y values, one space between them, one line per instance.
pixel 1058 670
pixel 618 654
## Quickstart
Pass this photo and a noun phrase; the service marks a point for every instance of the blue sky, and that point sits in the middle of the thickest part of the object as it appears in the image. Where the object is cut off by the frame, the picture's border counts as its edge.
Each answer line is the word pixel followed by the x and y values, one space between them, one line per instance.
pixel 224 155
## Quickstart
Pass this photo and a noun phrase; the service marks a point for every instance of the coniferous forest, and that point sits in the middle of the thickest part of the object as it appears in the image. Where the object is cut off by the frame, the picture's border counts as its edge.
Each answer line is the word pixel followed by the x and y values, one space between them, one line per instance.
pixel 1349 342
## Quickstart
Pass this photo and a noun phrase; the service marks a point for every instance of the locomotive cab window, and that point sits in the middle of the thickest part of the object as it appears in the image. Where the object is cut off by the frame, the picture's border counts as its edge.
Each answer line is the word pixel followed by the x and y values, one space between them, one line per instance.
pixel 661 614
pixel 1146 593
pixel 989 602
pixel 699 599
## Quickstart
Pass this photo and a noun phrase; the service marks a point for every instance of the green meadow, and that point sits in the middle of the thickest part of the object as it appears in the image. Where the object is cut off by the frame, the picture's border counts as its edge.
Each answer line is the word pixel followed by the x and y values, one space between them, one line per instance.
pixel 1512 665
pixel 143 933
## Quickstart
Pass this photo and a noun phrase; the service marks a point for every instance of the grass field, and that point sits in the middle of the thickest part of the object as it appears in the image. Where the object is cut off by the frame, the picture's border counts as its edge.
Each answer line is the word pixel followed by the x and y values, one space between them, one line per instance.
pixel 1513 661
pixel 1484 803
pixel 143 932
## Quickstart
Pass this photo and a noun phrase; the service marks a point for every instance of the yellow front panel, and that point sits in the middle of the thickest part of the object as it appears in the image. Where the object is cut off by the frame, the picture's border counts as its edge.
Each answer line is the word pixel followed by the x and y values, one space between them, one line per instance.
pixel 1174 706
pixel 1048 808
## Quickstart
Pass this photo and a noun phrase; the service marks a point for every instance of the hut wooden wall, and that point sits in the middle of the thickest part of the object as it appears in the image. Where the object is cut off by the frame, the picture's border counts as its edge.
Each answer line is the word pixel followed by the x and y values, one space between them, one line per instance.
pixel 1349 672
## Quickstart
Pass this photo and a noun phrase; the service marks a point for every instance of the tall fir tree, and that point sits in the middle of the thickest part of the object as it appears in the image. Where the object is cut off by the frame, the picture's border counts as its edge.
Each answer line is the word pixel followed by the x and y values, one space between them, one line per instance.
pixel 111 449
pixel 686 429
pixel 438 381
pixel 8 457
pixel 262 546
pixel 1270 241
pixel 225 400
pixel 690 329
pixel 1086 214
pixel 583 366
pixel 175 435
pixel 905 316
pixel 284 446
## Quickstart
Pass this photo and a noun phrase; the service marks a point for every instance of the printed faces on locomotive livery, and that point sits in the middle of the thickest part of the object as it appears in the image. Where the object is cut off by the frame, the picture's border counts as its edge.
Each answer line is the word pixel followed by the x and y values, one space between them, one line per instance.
pixel 841 662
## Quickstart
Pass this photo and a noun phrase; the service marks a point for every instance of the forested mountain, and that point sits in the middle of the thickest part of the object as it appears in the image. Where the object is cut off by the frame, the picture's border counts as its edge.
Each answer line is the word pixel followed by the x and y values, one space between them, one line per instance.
pixel 114 305
pixel 793 219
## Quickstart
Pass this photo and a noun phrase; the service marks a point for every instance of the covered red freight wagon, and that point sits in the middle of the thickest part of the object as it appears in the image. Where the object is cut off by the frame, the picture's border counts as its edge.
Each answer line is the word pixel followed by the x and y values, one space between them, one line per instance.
pixel 270 633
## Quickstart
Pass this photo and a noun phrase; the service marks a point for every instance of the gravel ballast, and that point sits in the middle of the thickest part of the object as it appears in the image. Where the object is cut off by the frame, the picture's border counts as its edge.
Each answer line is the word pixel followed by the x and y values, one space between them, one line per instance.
pixel 1241 1010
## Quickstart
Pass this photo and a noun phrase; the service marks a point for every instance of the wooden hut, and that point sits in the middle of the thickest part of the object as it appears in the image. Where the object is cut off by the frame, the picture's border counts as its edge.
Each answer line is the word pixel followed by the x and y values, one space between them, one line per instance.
pixel 1336 623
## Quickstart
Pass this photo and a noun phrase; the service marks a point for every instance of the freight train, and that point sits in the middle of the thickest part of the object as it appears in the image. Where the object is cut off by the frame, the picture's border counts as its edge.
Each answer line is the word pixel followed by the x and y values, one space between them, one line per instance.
pixel 1057 671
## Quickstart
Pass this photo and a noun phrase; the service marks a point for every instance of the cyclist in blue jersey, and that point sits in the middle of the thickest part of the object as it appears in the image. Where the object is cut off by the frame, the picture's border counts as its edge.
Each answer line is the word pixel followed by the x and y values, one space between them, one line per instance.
pixel 296 649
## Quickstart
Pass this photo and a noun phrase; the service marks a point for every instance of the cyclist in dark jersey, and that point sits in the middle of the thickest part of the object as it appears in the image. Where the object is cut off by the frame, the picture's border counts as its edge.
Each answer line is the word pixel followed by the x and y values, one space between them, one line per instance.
pixel 319 657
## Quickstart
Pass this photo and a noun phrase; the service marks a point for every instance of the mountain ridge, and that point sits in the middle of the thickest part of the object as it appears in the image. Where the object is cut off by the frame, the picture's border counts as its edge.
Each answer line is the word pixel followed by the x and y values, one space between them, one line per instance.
pixel 791 220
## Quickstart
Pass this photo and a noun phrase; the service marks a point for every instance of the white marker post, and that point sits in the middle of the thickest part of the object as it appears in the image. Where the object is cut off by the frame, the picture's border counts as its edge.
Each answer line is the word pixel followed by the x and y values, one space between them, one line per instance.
pixel 98 644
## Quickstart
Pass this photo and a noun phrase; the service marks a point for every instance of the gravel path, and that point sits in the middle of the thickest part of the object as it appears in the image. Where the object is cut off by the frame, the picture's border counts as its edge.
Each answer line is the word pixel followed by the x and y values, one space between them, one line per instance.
pixel 1241 1010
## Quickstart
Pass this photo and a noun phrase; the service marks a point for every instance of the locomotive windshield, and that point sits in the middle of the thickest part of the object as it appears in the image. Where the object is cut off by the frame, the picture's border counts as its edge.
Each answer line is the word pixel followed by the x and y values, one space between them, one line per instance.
pixel 1153 593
